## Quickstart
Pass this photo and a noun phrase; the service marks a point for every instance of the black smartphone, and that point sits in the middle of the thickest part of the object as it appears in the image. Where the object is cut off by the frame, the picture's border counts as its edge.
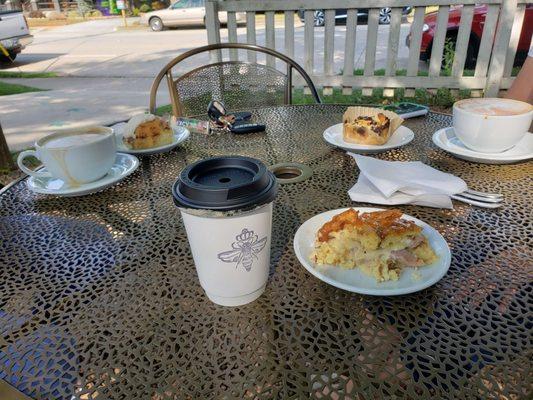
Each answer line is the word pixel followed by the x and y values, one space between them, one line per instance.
pixel 407 110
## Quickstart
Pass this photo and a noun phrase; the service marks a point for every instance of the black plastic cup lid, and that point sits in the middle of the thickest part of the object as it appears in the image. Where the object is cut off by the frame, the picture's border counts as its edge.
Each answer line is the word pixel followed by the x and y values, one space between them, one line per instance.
pixel 224 184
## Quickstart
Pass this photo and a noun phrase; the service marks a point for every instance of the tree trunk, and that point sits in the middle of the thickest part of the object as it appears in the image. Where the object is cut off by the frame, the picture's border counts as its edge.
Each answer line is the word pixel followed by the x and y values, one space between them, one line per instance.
pixel 6 161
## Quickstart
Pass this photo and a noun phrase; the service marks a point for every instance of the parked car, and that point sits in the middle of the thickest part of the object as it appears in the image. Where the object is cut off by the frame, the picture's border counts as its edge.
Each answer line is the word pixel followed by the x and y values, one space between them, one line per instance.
pixel 182 12
pixel 14 34
pixel 341 15
pixel 454 20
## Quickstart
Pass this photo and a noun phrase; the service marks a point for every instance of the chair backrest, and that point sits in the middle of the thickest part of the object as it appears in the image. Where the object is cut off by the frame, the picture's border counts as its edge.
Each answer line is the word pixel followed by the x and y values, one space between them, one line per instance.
pixel 239 85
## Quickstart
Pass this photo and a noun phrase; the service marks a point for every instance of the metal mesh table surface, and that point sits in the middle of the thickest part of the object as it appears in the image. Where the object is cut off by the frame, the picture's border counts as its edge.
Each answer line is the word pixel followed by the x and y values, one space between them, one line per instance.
pixel 99 297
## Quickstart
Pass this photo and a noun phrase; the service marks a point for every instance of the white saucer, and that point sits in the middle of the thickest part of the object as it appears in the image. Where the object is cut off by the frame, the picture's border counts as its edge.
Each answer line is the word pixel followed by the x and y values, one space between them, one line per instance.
pixel 446 140
pixel 125 164
pixel 355 280
pixel 402 136
pixel 180 135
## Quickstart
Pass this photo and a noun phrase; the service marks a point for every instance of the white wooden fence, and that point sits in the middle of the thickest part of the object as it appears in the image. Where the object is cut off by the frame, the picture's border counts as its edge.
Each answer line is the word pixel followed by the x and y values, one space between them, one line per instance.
pixel 497 47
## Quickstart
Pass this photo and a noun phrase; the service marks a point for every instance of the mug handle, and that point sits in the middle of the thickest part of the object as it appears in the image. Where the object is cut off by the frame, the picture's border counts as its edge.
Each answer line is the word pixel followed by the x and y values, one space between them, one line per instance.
pixel 20 162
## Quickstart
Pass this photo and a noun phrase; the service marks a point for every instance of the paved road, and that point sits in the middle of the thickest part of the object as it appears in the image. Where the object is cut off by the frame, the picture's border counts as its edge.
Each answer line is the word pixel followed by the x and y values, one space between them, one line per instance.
pixel 97 49
pixel 106 73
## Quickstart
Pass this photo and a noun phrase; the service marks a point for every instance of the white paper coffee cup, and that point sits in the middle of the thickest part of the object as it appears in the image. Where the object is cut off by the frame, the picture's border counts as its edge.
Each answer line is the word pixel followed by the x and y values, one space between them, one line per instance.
pixel 231 254
pixel 226 204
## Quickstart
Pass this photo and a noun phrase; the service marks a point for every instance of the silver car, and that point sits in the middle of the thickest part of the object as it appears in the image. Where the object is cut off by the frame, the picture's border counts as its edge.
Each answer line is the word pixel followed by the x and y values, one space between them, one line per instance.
pixel 182 12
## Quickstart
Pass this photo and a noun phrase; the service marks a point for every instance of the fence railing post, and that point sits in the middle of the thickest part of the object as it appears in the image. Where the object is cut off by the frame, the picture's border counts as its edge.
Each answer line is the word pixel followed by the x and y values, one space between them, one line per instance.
pixel 349 48
pixel 250 35
pixel 499 51
pixel 513 41
pixel 371 47
pixel 212 25
pixel 494 59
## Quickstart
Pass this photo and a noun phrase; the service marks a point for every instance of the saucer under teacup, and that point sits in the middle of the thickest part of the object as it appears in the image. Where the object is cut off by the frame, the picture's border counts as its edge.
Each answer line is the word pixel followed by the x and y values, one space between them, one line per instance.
pixel 125 165
pixel 446 140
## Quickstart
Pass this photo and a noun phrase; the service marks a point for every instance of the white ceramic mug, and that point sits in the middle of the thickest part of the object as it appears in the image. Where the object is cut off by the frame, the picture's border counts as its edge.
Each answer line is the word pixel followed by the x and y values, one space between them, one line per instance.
pixel 233 264
pixel 76 156
pixel 491 125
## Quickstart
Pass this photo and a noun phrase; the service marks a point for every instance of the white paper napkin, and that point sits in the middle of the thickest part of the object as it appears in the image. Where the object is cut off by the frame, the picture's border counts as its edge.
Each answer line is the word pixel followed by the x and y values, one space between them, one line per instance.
pixel 398 182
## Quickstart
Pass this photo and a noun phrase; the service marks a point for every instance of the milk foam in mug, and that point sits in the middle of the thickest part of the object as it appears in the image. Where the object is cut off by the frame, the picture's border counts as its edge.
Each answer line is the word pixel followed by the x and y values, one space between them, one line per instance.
pixel 491 125
pixel 76 156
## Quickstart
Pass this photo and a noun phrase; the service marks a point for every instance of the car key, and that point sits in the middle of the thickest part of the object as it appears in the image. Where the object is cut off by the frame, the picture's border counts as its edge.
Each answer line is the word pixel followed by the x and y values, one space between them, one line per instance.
pixel 242 116
pixel 241 129
pixel 216 110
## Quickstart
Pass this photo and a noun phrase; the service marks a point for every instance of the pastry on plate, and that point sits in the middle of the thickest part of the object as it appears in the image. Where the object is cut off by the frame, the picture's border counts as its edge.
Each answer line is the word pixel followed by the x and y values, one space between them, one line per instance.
pixel 380 243
pixel 367 125
pixel 146 131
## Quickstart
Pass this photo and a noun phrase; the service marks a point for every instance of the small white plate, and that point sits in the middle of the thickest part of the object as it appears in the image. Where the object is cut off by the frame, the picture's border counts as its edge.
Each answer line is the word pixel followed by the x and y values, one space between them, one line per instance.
pixel 402 136
pixel 180 134
pixel 125 164
pixel 354 280
pixel 446 140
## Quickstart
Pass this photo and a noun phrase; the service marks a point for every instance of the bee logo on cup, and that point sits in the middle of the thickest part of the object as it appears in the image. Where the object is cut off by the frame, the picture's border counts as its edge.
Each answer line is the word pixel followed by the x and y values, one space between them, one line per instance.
pixel 245 249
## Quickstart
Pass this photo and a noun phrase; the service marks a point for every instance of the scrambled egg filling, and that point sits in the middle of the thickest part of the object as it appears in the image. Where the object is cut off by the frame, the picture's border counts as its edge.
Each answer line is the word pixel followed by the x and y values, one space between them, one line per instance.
pixel 379 243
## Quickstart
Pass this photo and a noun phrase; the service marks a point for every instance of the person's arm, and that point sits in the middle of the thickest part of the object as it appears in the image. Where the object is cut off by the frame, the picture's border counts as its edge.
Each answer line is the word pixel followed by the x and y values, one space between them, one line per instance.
pixel 522 87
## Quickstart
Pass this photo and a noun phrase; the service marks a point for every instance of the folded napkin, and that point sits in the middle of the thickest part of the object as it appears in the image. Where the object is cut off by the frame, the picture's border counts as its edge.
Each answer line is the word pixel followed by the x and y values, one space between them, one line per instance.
pixel 398 182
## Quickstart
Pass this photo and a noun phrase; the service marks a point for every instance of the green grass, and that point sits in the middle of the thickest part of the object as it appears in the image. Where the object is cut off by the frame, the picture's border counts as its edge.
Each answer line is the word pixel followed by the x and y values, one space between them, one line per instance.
pixel 441 99
pixel 9 88
pixel 444 72
pixel 13 74
pixel 162 110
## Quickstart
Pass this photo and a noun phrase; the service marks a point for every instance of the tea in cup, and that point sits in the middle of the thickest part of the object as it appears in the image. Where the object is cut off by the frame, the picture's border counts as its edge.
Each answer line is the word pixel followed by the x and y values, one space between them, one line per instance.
pixel 76 156
pixel 491 125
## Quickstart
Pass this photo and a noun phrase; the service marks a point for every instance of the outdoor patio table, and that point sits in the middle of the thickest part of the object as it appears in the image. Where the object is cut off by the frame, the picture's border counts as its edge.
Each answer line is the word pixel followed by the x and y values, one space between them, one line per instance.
pixel 99 297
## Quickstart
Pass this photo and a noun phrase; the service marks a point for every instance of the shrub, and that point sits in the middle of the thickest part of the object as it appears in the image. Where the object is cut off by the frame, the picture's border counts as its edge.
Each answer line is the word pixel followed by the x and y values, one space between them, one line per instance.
pixel 95 13
pixel 145 8
pixel 35 14
pixel 158 5
pixel 135 12
pixel 72 14
pixel 448 54
pixel 54 15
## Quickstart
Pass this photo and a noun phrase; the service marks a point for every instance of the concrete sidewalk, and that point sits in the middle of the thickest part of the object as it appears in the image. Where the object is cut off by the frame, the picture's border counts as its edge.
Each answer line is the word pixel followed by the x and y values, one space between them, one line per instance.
pixel 71 102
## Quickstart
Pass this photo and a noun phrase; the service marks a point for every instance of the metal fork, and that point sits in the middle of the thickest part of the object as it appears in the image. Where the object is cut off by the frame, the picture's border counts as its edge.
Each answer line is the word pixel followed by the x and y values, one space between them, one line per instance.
pixel 480 199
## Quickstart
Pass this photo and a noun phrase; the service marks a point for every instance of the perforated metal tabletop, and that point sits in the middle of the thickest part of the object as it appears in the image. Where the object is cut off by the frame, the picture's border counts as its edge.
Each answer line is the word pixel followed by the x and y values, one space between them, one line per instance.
pixel 99 297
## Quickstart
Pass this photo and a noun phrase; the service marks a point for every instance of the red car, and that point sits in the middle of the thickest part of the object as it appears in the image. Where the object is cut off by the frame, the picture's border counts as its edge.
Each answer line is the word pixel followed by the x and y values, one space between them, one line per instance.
pixel 480 11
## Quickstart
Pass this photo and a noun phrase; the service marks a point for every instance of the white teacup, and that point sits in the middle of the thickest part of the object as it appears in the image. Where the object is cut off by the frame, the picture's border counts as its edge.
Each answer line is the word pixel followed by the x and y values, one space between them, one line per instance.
pixel 491 125
pixel 76 156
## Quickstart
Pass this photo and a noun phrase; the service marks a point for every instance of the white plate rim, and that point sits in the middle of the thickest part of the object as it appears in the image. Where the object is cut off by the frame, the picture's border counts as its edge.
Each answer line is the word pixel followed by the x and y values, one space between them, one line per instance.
pixel 84 189
pixel 180 135
pixel 365 148
pixel 472 155
pixel 444 260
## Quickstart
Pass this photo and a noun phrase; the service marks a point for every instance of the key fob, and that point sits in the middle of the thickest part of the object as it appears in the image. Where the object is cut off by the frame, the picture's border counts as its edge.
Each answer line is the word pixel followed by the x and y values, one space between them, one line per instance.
pixel 240 128
pixel 215 110
pixel 242 116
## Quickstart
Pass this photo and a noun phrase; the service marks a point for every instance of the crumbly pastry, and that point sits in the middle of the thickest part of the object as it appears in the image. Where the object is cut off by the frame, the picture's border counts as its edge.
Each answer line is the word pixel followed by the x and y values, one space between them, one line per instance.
pixel 380 243
pixel 371 126
pixel 145 131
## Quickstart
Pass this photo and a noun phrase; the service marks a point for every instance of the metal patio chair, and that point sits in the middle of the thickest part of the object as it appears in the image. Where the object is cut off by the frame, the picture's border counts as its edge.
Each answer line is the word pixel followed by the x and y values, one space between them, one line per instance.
pixel 238 84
